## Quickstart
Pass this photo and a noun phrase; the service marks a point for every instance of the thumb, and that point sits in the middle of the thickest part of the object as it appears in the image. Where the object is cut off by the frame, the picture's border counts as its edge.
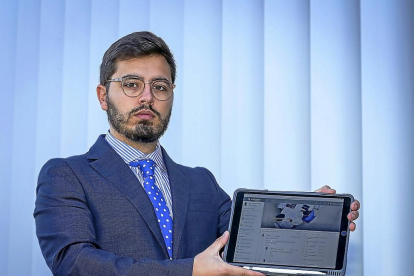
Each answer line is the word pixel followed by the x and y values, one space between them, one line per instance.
pixel 219 243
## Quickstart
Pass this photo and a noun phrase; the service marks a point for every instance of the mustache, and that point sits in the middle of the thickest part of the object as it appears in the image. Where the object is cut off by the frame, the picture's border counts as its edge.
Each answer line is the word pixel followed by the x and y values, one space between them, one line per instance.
pixel 142 107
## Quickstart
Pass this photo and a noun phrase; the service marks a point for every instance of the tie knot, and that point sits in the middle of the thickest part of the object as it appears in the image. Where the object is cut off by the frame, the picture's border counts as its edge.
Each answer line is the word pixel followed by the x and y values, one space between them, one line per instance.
pixel 146 166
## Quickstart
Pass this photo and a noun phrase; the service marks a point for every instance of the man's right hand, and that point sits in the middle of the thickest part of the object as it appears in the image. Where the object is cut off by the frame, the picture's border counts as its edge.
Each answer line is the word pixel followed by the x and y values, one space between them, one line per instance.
pixel 209 262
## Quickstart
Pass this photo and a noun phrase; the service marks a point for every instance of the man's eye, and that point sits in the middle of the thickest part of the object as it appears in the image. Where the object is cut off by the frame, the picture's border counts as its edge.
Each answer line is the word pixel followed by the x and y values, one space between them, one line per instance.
pixel 129 84
pixel 132 85
pixel 159 87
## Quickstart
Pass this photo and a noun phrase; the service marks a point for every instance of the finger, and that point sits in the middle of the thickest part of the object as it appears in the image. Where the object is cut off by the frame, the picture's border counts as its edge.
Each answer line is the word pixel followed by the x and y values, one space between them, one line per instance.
pixel 219 243
pixel 353 215
pixel 326 189
pixel 329 191
pixel 251 273
pixel 320 189
pixel 235 270
pixel 355 205
pixel 352 226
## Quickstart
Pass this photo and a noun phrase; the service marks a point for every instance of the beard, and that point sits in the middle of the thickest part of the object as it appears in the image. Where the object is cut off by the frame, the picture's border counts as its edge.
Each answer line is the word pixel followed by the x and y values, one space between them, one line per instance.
pixel 144 131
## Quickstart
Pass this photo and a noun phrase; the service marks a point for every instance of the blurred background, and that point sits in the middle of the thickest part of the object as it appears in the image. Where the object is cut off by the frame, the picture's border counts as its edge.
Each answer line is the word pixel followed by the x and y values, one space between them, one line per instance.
pixel 312 93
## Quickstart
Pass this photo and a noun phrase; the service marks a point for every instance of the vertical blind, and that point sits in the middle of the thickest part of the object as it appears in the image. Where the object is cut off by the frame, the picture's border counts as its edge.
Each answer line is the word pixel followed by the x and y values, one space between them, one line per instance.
pixel 275 94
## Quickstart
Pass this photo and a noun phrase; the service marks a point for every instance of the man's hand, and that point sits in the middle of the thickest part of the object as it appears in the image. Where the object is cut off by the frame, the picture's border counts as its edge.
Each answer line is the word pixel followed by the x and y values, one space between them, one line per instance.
pixel 353 215
pixel 209 262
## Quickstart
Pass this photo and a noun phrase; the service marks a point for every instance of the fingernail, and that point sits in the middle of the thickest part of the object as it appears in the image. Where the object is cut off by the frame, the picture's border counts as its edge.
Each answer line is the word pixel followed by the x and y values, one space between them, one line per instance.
pixel 353 216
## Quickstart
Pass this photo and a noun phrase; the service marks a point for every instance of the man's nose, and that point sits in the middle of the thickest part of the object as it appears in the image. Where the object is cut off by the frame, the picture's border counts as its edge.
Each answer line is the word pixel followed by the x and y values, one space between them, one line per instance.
pixel 146 95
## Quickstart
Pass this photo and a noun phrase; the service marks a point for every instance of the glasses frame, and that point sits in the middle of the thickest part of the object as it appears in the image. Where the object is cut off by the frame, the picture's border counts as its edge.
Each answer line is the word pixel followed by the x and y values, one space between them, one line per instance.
pixel 121 80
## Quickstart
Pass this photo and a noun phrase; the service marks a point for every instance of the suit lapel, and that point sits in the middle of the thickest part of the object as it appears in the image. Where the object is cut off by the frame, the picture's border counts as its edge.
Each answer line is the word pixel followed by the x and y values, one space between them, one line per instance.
pixel 111 166
pixel 180 192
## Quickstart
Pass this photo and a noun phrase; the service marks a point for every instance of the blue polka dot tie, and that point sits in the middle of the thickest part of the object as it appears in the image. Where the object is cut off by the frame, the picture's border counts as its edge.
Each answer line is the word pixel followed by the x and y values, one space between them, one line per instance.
pixel 158 201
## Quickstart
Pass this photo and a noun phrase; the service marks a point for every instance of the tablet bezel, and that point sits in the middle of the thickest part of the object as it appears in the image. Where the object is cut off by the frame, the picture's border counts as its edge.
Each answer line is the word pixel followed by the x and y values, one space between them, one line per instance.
pixel 235 221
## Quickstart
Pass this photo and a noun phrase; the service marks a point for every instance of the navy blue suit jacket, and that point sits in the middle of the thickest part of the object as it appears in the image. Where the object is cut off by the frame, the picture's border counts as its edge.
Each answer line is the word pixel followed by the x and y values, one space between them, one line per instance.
pixel 94 218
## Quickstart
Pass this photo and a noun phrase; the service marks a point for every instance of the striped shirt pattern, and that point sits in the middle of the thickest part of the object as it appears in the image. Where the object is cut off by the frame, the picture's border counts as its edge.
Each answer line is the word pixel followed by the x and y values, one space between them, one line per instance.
pixel 129 154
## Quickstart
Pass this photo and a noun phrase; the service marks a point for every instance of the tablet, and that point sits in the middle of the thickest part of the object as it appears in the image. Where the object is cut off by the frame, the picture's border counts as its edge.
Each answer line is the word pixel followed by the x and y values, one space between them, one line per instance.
pixel 289 233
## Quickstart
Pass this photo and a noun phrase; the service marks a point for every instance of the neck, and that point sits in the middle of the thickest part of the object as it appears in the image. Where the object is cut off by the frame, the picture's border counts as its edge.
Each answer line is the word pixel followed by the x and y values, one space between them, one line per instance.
pixel 143 147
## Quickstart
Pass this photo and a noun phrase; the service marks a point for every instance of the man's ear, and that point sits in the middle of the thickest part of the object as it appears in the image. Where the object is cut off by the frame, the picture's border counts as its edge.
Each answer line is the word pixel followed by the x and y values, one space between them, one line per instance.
pixel 101 93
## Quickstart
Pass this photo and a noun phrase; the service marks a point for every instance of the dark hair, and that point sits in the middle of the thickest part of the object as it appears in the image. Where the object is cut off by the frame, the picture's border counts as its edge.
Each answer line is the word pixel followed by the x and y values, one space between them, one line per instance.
pixel 131 46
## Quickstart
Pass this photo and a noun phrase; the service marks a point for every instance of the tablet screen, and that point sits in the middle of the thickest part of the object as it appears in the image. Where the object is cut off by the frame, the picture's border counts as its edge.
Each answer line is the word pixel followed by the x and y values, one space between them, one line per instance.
pixel 289 230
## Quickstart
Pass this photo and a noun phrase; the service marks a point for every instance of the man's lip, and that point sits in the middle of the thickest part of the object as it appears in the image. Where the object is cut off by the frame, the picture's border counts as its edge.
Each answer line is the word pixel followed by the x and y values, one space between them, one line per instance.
pixel 145 114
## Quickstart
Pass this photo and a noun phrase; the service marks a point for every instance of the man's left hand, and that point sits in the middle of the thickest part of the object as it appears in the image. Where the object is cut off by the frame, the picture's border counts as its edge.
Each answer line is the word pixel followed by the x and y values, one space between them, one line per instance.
pixel 353 215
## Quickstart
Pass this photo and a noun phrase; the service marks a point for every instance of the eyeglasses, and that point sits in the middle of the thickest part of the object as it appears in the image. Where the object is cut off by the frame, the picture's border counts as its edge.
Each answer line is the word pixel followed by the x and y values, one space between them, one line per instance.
pixel 133 86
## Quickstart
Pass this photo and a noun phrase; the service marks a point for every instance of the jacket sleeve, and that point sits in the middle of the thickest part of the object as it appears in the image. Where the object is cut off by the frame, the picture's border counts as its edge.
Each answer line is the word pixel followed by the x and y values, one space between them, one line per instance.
pixel 64 227
pixel 224 207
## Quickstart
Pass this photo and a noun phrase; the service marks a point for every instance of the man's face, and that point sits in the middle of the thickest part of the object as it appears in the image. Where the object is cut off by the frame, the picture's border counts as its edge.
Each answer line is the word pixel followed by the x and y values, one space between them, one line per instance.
pixel 144 118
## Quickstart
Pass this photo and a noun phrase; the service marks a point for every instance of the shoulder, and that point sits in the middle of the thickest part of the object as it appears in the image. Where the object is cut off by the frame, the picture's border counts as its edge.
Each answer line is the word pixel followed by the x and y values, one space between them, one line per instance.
pixel 58 184
pixel 62 174
pixel 202 181
pixel 199 177
pixel 198 172
pixel 59 166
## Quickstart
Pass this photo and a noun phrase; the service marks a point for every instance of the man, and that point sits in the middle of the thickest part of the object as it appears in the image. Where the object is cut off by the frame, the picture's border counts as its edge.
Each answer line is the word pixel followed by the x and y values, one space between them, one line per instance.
pixel 124 207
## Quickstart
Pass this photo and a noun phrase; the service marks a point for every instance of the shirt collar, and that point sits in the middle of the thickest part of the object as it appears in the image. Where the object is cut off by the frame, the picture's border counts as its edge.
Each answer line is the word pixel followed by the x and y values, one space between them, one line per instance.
pixel 129 153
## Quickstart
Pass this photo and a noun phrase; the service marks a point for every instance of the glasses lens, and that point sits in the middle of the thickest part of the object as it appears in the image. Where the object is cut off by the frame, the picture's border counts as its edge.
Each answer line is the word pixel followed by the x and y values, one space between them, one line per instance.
pixel 132 86
pixel 161 90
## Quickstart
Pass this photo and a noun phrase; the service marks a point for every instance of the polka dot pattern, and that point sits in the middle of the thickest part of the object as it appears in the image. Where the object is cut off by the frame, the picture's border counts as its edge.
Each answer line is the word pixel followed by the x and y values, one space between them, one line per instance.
pixel 160 208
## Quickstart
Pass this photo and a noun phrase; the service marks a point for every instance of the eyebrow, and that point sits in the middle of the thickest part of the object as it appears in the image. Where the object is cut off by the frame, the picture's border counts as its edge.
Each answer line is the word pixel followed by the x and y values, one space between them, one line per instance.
pixel 141 78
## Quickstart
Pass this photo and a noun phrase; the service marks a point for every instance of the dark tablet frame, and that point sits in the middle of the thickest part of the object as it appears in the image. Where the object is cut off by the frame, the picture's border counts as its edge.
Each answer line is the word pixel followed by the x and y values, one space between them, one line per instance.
pixel 235 222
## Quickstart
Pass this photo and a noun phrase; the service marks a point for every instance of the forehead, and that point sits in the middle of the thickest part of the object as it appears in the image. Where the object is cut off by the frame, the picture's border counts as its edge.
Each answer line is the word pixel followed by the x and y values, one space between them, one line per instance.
pixel 147 67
